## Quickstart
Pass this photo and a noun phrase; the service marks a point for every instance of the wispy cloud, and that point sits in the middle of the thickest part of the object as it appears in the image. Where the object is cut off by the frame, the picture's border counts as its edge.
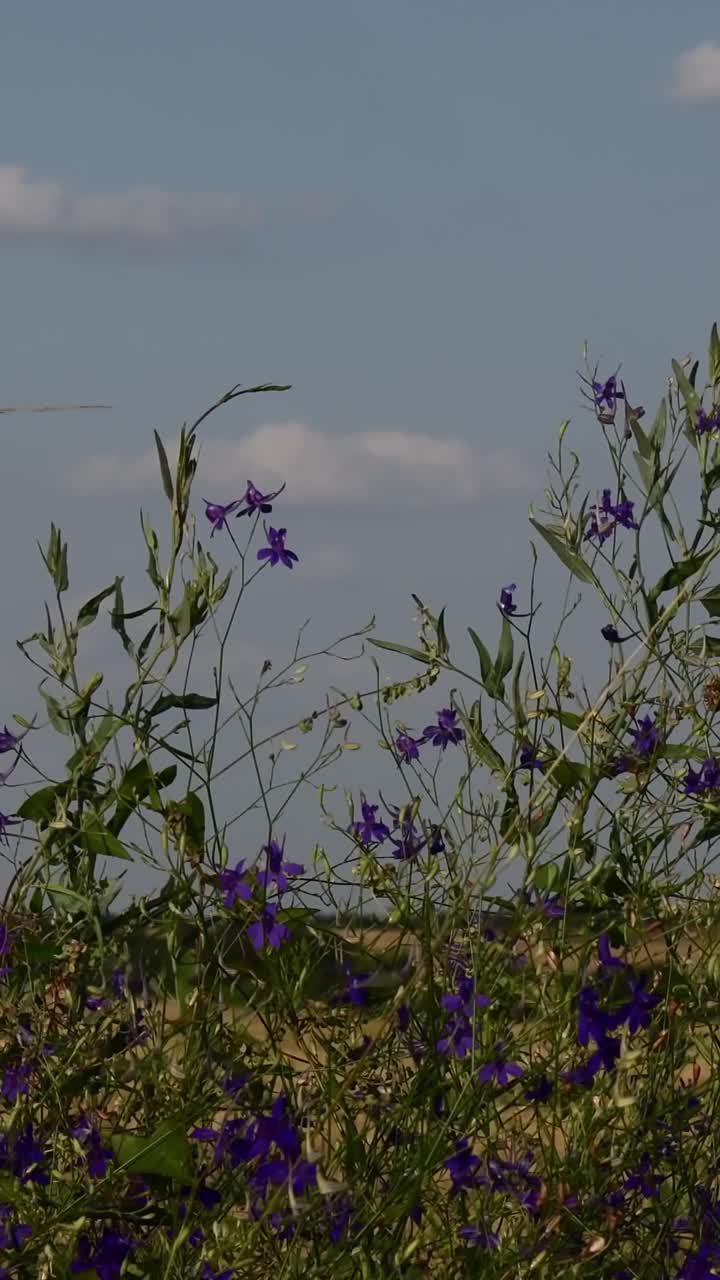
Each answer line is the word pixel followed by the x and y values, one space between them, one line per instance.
pixel 369 468
pixel 34 207
pixel 696 74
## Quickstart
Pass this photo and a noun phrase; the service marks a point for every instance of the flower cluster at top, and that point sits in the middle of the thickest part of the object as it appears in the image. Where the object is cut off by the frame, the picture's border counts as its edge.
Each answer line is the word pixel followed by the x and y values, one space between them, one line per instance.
pixel 253 503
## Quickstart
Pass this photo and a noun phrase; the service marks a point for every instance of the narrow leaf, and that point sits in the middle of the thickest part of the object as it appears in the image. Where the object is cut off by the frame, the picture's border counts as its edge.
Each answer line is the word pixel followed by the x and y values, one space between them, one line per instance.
pixel 570 559
pixel 418 654
pixel 164 468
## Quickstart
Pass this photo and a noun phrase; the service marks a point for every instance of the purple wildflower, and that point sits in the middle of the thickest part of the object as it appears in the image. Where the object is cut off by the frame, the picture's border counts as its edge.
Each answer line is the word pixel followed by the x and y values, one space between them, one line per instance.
pixel 707 421
pixel 6 937
pixel 12 1234
pixel 606 393
pixel 638 1010
pixel 644 1179
pixel 277 869
pixel 647 737
pixel 207 1273
pixel 15 1082
pixel 256 501
pixel 540 1091
pixel 6 822
pixel 604 516
pixel 552 906
pixel 408 747
pixel 217 514
pixel 529 760
pixel 409 843
pixel 707 778
pixel 463 1167
pixel 276 551
pixel 117 983
pixel 233 1085
pixel 369 830
pixel 355 991
pixel 111 1250
pixel 267 931
pixel 234 884
pixel 499 1068
pixel 480 1236
pixel 610 633
pixel 507 604
pixel 445 730
pixel 605 955
pixel 9 740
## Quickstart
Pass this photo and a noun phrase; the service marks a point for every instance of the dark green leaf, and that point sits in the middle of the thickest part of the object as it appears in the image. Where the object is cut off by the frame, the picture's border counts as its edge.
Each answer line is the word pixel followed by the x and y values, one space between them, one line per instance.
pixel 442 640
pixel 89 610
pixel 99 840
pixel 181 702
pixel 680 573
pixel 136 785
pixel 164 468
pixel 41 805
pixel 711 602
pixel 118 615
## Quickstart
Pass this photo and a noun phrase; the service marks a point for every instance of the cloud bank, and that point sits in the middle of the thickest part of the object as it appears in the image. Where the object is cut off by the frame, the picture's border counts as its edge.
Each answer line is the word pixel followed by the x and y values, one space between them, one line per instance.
pixel 33 207
pixel 369 468
pixel 696 75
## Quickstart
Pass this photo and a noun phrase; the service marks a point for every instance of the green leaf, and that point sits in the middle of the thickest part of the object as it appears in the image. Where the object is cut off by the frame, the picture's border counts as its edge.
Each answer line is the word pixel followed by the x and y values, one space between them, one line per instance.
pixel 486 662
pixel 714 356
pixel 691 399
pixel 570 559
pixel 504 660
pixel 136 785
pixel 681 571
pixel 645 447
pixel 711 602
pixel 67 896
pixel 164 468
pixel 166 1154
pixel 89 610
pixel 41 805
pixel 442 640
pixel 56 714
pixel 659 426
pixel 483 748
pixel 181 702
pixel 518 706
pixel 117 617
pixel 418 654
pixel 97 839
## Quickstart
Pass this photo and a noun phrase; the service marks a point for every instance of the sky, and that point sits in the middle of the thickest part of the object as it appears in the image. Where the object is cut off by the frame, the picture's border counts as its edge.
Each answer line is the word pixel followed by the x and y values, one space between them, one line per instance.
pixel 413 212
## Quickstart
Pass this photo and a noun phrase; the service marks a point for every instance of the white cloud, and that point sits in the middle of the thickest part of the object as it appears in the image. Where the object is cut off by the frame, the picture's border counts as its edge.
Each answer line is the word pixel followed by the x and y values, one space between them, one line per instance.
pixel 371 468
pixel 33 207
pixel 697 74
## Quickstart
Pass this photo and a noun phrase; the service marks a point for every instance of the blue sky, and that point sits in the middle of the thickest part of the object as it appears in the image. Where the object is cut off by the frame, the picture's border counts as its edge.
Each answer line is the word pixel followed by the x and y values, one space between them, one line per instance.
pixel 415 212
